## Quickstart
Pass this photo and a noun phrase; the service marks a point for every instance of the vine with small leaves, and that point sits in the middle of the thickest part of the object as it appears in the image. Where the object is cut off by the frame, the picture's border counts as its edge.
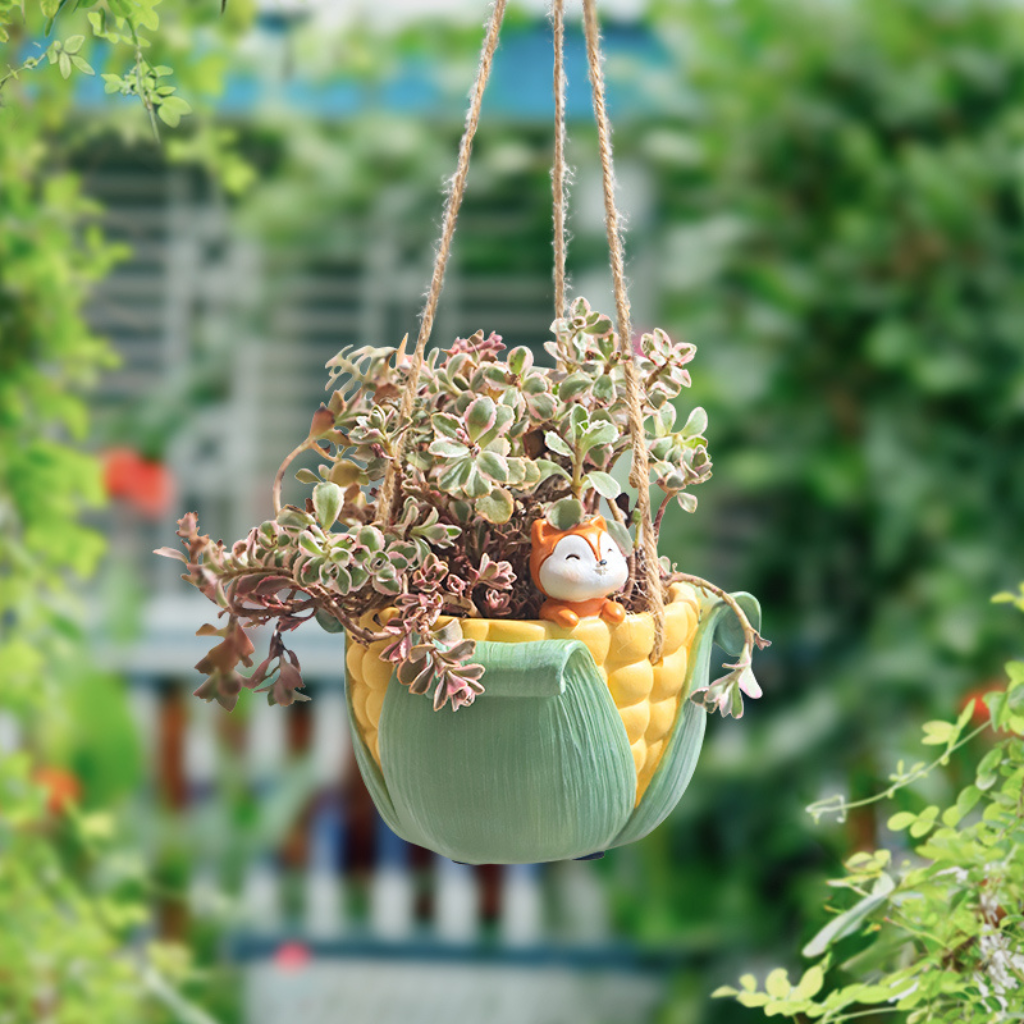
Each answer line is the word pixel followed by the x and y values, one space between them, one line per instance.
pixel 940 938
pixel 119 24
pixel 73 917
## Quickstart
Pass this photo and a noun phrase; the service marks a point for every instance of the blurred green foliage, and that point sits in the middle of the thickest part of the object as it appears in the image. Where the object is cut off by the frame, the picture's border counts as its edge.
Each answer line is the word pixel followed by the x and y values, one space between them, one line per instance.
pixel 846 250
pixel 843 242
pixel 74 898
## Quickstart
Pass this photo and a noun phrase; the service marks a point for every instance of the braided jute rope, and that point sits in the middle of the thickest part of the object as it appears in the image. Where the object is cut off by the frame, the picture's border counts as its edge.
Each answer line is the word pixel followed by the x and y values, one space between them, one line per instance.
pixel 559 172
pixel 640 474
pixel 388 490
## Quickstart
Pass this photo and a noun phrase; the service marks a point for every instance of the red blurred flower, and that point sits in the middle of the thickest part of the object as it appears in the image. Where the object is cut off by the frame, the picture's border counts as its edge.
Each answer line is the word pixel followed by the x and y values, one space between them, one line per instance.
pixel 292 956
pixel 62 788
pixel 144 484
pixel 980 715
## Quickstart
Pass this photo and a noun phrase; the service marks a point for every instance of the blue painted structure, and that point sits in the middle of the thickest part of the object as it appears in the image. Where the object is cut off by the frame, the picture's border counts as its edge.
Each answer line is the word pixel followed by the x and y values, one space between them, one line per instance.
pixel 519 89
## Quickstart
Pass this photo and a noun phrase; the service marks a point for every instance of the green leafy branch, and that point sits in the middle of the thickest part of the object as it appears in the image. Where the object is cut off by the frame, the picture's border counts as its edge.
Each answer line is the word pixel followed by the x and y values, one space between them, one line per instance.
pixel 119 23
pixel 143 79
pixel 943 931
pixel 938 732
pixel 64 54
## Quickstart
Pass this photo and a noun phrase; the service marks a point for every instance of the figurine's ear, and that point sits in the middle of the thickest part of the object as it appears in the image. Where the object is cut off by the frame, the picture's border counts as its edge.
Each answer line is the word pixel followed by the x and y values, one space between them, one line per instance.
pixel 541 532
pixel 599 522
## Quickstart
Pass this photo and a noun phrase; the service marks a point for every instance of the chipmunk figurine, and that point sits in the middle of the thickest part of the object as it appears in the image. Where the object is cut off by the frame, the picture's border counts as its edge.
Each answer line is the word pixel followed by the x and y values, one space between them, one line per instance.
pixel 576 570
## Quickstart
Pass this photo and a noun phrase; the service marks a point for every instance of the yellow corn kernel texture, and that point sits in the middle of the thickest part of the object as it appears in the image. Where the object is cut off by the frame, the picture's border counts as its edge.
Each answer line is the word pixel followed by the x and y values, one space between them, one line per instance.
pixel 648 697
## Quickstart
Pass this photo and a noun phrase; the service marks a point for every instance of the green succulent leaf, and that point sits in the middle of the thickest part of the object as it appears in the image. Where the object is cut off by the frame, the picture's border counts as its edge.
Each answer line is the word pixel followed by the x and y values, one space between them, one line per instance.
pixel 480 416
pixel 328 500
pixel 620 535
pixel 696 423
pixel 477 485
pixel 371 538
pixel 541 406
pixel 556 444
pixel 566 513
pixel 599 434
pixel 520 360
pixel 446 424
pixel 496 507
pixel 328 622
pixel 493 466
pixel 577 422
pixel 604 388
pixel 454 478
pixel 546 468
pixel 294 517
pixel 574 385
pixel 601 325
pixel 448 449
pixel 604 483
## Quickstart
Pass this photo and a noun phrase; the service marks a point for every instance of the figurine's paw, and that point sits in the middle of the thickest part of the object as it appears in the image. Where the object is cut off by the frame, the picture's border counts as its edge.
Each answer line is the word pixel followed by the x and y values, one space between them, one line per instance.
pixel 613 612
pixel 559 614
pixel 567 617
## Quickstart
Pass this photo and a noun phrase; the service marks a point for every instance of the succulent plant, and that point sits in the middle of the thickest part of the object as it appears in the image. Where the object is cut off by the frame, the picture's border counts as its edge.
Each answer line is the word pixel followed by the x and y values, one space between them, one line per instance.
pixel 493 443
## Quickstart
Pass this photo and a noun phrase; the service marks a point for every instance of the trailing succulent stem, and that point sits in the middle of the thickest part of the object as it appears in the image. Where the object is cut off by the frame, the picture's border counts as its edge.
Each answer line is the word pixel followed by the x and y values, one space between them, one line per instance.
pixel 492 445
pixel 725 694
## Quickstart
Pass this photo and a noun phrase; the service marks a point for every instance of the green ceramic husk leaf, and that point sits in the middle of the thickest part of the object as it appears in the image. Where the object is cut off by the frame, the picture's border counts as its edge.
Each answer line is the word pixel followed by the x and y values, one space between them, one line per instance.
pixel 716 625
pixel 517 777
pixel 539 767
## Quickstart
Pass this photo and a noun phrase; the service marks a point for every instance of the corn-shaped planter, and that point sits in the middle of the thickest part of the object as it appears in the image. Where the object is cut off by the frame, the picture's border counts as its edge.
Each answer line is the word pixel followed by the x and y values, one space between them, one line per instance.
pixel 577 745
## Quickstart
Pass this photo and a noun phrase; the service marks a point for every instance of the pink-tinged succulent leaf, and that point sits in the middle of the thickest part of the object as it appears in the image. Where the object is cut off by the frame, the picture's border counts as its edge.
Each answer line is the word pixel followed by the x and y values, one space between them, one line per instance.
pixel 493 575
pixel 497 604
pixel 221 687
pixel 289 679
pixel 323 422
pixel 171 553
pixel 260 673
pixel 461 651
pixel 484 349
pixel 399 649
pixel 749 684
pixel 419 684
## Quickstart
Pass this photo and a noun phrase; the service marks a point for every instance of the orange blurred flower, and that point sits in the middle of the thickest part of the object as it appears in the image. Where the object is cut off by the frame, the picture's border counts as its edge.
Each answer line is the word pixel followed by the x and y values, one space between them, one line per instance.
pixel 981 715
pixel 62 786
pixel 144 484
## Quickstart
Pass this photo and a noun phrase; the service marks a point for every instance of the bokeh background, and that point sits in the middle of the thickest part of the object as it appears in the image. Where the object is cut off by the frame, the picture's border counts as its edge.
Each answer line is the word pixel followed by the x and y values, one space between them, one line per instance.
pixel 826 198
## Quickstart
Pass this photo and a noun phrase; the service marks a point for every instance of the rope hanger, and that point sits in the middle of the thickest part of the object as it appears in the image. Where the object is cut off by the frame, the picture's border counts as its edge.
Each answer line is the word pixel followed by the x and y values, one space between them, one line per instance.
pixel 640 470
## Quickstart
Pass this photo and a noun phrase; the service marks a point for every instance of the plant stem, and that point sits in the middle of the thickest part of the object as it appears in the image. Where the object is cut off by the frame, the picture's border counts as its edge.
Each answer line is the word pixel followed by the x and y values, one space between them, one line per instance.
pixel 288 459
pixel 577 476
pixel 862 1013
pixel 147 100
pixel 887 793
pixel 661 514
pixel 751 637
pixel 31 63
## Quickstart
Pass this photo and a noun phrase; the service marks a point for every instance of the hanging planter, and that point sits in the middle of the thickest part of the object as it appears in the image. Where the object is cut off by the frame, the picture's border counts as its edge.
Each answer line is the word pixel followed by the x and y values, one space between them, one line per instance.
pixel 468 531
pixel 577 745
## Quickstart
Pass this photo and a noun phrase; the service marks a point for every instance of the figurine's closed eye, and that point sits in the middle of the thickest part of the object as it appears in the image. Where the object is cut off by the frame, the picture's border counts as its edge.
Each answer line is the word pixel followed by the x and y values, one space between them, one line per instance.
pixel 567 557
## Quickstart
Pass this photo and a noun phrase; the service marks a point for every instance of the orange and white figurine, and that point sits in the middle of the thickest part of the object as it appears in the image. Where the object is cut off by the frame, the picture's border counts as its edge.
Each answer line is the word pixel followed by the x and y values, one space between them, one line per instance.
pixel 577 570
